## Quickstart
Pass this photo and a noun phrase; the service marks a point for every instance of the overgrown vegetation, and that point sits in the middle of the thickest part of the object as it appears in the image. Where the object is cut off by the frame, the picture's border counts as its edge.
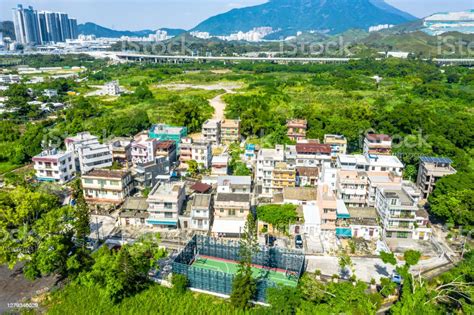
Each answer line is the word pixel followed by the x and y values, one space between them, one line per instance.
pixel 279 216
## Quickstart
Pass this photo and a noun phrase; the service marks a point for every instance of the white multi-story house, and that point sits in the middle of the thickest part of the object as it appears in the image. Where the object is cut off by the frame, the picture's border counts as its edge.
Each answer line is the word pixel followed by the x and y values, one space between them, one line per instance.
pixel 202 153
pixel 201 212
pixel 54 166
pixel 328 175
pixel 112 88
pixel 375 163
pixel 211 131
pixel 143 149
pixel 234 184
pixel 338 144
pixel 121 149
pixel 88 152
pixel 266 161
pixel 397 208
pixel 377 144
pixel 430 171
pixel 312 154
pixel 94 156
pixel 220 164
pixel 352 187
pixel 109 187
pixel 230 213
pixel 80 140
pixel 364 223
pixel 378 180
pixel 165 204
pixel 9 79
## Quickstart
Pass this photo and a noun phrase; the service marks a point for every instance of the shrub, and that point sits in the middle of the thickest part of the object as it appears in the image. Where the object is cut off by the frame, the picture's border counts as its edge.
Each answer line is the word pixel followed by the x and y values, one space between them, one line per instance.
pixel 180 282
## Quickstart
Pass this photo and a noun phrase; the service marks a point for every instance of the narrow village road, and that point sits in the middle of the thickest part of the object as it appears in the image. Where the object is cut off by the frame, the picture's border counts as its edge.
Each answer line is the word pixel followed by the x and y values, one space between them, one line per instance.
pixel 216 102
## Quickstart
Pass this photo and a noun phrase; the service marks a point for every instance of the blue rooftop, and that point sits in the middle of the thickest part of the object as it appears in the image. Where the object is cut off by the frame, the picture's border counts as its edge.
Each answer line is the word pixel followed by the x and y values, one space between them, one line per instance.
pixel 437 160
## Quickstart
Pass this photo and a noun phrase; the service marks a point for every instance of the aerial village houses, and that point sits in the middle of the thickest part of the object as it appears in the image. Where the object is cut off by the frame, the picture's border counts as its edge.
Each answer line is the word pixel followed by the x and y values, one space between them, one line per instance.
pixel 220 164
pixel 88 152
pixel 230 213
pixel 54 166
pixel 297 129
pixel 431 169
pixel 106 187
pixel 201 212
pixel 230 131
pixel 337 195
pixel 121 149
pixel 338 144
pixel 165 204
pixel 165 132
pixel 211 131
pixel 377 144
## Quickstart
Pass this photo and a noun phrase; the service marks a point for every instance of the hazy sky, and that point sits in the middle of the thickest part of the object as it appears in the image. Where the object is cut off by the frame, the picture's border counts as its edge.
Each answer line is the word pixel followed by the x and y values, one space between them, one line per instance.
pixel 153 14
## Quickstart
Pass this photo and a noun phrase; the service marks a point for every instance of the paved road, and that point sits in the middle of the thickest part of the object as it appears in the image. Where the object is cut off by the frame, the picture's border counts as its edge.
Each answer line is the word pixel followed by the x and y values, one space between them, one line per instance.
pixel 365 268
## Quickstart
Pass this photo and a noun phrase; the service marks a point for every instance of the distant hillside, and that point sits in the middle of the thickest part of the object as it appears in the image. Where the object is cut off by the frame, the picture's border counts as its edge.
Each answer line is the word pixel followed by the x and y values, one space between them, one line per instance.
pixel 101 31
pixel 381 4
pixel 7 28
pixel 290 16
pixel 422 44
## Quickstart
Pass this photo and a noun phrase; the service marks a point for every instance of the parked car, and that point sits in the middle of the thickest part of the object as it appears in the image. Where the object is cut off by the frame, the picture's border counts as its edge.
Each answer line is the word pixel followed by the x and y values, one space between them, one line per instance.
pixel 396 278
pixel 270 240
pixel 298 241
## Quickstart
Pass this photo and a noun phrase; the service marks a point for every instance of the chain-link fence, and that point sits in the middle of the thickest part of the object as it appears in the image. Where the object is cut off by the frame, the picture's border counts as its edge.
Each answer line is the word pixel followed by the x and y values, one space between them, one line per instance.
pixel 219 282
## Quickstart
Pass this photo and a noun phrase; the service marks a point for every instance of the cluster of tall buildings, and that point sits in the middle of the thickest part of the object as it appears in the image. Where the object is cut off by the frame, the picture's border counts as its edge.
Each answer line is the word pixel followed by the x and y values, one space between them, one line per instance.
pixel 36 28
pixel 257 34
pixel 440 23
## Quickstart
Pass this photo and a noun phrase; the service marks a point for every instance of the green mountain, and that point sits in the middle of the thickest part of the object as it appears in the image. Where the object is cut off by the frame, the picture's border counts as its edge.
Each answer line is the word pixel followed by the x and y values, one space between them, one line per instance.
pixel 101 31
pixel 290 16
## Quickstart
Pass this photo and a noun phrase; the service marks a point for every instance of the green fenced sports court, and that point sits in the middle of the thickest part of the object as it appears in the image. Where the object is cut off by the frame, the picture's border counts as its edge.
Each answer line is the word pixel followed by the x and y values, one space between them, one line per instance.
pixel 210 264
pixel 259 272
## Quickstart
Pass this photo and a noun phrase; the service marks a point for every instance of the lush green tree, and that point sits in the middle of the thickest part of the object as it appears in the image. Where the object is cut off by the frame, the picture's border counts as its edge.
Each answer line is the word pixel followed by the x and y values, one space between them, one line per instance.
pixel 411 257
pixel 191 112
pixel 244 286
pixel 277 215
pixel 345 263
pixel 81 213
pixel 9 131
pixel 456 207
pixel 142 92
pixel 279 136
pixel 416 301
pixel 311 289
pixel 284 299
pixel 388 287
pixel 193 168
pixel 124 272
pixel 180 282
pixel 241 169
pixel 388 258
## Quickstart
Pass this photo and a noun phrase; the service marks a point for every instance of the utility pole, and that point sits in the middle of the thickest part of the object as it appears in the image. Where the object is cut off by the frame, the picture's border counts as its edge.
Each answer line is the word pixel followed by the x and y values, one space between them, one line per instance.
pixel 97 230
